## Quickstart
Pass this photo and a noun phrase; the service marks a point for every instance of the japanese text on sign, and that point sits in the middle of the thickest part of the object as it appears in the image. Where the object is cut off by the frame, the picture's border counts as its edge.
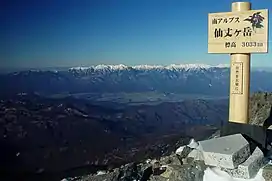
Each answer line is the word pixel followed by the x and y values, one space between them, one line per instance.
pixel 237 80
pixel 229 32
pixel 226 20
pixel 238 32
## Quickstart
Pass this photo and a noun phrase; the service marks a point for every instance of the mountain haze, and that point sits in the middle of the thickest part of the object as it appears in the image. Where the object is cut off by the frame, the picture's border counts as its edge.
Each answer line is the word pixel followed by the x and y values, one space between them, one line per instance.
pixel 185 79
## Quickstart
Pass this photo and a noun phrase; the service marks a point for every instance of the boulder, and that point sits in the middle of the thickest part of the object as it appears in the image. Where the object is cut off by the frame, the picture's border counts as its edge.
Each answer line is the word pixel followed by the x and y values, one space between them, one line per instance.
pixel 226 152
pixel 250 167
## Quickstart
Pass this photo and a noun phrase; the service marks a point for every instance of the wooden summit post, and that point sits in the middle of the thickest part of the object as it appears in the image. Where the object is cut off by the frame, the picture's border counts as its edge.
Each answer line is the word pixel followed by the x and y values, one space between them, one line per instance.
pixel 239 33
pixel 239 103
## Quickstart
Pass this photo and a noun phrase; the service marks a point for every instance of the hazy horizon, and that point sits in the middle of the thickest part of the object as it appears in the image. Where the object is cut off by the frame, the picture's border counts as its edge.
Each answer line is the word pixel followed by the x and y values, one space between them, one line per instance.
pixel 60 68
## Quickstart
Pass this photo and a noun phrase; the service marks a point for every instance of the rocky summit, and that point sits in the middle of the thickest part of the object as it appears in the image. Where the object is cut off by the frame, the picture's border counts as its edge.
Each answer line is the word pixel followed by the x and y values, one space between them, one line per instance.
pixel 173 167
pixel 191 163
pixel 260 104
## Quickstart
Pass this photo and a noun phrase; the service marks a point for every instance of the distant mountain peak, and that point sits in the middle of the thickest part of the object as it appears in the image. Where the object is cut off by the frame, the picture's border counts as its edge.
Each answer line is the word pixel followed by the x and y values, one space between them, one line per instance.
pixel 174 78
pixel 150 67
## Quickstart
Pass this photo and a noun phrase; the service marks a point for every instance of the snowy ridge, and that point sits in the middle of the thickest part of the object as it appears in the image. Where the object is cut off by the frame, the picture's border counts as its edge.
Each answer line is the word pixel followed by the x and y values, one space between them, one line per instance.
pixel 183 78
pixel 150 67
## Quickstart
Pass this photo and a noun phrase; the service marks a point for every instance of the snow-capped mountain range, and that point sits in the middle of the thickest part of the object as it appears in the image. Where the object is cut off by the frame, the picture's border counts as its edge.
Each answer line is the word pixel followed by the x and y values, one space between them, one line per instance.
pixel 184 78
pixel 150 67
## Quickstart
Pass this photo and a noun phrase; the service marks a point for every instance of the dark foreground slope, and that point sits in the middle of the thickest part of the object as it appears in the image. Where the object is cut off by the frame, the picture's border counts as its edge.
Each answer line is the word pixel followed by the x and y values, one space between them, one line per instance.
pixel 61 136
pixel 54 138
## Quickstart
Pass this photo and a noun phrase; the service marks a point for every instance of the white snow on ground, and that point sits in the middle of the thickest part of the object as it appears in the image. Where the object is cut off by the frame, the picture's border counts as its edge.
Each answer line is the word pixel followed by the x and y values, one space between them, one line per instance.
pixel 101 173
pixel 180 149
pixel 193 144
pixel 215 174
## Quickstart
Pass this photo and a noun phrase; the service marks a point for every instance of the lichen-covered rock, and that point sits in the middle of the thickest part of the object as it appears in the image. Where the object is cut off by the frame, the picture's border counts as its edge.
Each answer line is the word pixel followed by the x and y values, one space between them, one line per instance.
pixel 250 167
pixel 172 159
pixel 267 173
pixel 260 104
pixel 167 169
pixel 186 172
pixel 109 176
pixel 158 178
pixel 127 172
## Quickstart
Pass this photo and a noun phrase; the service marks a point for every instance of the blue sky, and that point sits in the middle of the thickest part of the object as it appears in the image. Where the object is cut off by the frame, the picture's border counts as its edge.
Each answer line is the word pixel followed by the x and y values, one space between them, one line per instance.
pixel 57 33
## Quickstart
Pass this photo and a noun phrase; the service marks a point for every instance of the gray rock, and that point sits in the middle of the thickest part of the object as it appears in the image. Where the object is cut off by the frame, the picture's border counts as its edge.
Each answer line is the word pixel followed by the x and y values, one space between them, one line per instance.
pixel 226 152
pixel 172 159
pixel 196 154
pixel 187 172
pixel 185 152
pixel 106 177
pixel 250 167
pixel 129 172
pixel 267 173
pixel 158 178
